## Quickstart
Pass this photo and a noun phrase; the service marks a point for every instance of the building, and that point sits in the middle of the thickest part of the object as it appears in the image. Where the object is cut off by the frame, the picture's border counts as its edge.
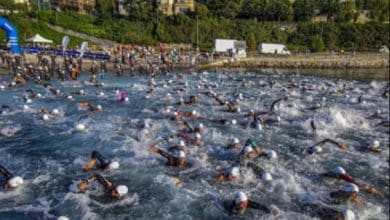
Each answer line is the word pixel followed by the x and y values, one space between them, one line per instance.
pixel 166 6
pixel 170 7
pixel 182 5
pixel 80 6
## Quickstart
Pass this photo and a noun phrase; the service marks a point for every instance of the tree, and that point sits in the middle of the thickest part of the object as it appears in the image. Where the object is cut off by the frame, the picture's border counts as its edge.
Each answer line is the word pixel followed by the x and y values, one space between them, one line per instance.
pixel 379 10
pixel 224 8
pixel 202 11
pixel 104 10
pixel 317 44
pixel 330 7
pixel 251 41
pixel 139 10
pixel 303 10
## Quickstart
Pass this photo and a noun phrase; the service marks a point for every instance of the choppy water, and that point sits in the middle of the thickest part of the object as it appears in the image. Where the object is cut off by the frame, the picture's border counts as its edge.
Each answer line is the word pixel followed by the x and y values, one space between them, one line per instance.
pixel 49 154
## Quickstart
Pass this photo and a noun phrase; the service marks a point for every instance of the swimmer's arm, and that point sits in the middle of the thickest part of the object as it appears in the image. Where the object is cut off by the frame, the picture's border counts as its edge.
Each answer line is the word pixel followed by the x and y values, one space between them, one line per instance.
pixel 255 205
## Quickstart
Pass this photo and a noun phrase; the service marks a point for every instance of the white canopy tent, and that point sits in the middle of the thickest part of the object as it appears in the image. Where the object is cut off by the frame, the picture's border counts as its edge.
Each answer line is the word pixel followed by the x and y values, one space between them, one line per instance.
pixel 39 39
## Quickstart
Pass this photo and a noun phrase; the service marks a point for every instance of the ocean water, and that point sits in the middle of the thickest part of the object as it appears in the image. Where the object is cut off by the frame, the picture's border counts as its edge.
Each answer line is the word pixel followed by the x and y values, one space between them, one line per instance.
pixel 49 155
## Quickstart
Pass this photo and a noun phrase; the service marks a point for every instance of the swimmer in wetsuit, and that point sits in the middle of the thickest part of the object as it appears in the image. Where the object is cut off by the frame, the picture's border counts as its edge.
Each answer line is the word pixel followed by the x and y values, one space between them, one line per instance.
pixel 241 203
pixel 341 174
pixel 103 162
pixel 173 160
pixel 11 181
pixel 111 190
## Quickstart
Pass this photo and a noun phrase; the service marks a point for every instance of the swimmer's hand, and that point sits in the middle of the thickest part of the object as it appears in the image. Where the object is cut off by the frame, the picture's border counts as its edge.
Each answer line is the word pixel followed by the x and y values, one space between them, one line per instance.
pixel 89 165
pixel 374 191
pixel 153 149
pixel 342 145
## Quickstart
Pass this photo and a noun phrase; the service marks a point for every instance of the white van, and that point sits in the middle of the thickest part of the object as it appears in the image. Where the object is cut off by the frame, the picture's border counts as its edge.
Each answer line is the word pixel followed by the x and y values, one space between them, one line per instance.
pixel 280 49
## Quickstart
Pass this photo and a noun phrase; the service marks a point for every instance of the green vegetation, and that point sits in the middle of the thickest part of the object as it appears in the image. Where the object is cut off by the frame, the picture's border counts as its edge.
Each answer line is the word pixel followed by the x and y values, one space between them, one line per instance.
pixel 28 28
pixel 254 21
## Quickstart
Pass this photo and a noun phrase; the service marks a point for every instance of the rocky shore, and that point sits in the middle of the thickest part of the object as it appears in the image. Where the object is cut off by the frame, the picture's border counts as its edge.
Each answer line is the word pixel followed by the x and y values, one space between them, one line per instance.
pixel 348 61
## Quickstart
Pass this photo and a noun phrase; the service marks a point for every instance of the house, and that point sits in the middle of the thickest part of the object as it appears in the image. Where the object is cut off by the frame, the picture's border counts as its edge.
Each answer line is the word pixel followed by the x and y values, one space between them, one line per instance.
pixel 170 7
pixel 80 6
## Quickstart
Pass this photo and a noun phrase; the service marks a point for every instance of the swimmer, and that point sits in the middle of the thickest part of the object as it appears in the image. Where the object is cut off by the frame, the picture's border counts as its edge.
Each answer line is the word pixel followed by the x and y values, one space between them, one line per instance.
pixel 250 152
pixel 241 203
pixel 173 160
pixel 274 103
pixel 336 143
pixel 104 164
pixel 225 121
pixel 230 175
pixel 350 192
pixel 19 79
pixel 321 212
pixel 234 144
pixel 176 115
pixel 81 92
pixel 260 171
pixel 11 181
pixel 112 190
pixel 341 174
pixel 91 107
pixel 371 146
pixel 193 114
pixel 193 141
pixel 376 115
pixel 186 127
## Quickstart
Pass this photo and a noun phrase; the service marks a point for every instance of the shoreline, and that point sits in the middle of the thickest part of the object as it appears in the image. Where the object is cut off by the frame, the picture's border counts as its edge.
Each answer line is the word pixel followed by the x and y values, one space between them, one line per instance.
pixel 315 61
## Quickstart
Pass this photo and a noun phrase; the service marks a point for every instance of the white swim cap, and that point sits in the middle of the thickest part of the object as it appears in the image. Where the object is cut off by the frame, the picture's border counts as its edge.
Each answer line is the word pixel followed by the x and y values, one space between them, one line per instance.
pixel 99 107
pixel 25 107
pixel 350 187
pixel 234 122
pixel 101 93
pixel 175 113
pixel 113 165
pixel 373 143
pixel 240 197
pixel 193 112
pixel 15 181
pixel 198 136
pixel 181 100
pixel 180 154
pixel 348 214
pixel 278 119
pixel 259 126
pixel 69 97
pixel 2 87
pixel 80 127
pixel 378 111
pixel 82 92
pixel 316 149
pixel 238 110
pixel 266 177
pixel 45 117
pixel 339 170
pixel 181 143
pixel 248 149
pixel 200 125
pixel 122 190
pixel 62 218
pixel 13 83
pixel 252 111
pixel 55 111
pixel 39 95
pixel 28 101
pixel 58 91
pixel 271 154
pixel 235 141
pixel 235 171
pixel 126 99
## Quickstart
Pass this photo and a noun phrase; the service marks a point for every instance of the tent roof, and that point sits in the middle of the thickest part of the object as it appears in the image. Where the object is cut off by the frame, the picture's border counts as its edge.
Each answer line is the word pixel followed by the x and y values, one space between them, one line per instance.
pixel 39 39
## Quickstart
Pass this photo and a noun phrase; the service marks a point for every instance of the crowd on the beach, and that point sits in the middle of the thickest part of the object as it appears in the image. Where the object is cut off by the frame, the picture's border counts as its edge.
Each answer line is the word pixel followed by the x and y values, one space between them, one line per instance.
pixel 191 129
